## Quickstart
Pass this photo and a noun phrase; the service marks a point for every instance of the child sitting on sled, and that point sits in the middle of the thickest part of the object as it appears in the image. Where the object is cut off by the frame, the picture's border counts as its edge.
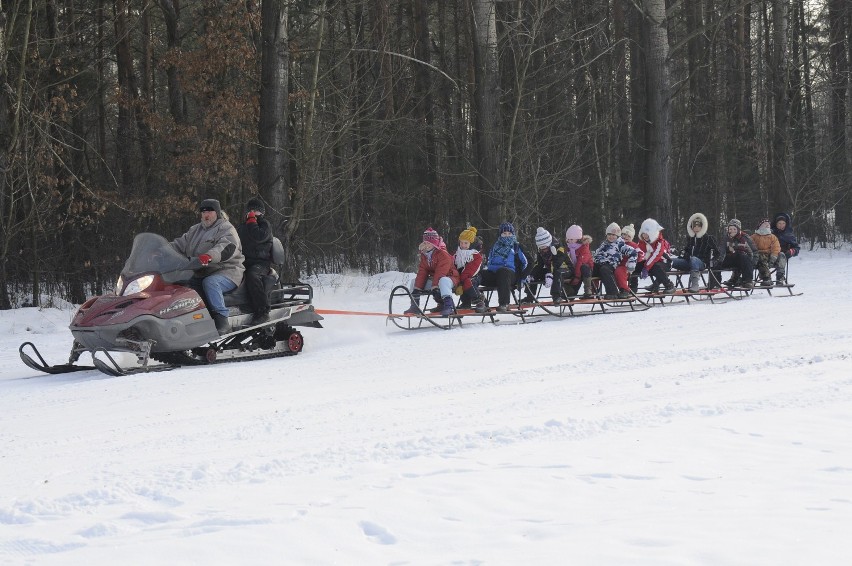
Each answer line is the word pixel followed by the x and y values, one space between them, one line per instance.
pixel 468 262
pixel 657 259
pixel 438 270
pixel 768 253
pixel 627 234
pixel 614 258
pixel 507 266
pixel 551 266
pixel 580 257
pixel 782 227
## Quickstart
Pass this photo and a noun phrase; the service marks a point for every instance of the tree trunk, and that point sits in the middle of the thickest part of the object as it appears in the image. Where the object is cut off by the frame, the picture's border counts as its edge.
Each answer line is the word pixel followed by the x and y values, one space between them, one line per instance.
pixel 838 84
pixel 659 112
pixel 130 110
pixel 273 162
pixel 781 171
pixel 299 192
pixel 486 115
pixel 171 15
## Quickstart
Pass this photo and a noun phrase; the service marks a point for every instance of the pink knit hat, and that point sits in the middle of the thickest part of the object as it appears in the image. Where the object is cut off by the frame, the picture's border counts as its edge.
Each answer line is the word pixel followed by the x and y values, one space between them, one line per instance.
pixel 574 233
pixel 431 236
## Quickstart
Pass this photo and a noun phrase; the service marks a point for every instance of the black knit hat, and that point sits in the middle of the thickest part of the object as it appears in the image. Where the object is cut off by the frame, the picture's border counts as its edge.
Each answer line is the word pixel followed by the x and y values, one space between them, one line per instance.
pixel 210 204
pixel 255 204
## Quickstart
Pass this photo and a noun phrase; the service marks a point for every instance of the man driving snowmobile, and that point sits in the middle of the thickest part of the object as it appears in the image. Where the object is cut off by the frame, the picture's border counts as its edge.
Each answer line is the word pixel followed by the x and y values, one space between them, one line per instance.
pixel 214 241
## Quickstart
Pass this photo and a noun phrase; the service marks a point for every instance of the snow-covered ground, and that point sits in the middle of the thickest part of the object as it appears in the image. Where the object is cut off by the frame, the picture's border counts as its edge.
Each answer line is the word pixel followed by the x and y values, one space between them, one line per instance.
pixel 691 434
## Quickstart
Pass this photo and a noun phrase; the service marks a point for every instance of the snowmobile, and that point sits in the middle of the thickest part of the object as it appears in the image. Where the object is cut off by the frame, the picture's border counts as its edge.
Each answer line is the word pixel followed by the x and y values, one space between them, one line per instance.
pixel 152 315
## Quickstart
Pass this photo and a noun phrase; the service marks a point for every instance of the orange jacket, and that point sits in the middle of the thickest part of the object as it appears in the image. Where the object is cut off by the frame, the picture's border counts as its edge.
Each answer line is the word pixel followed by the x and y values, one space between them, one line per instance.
pixel 768 244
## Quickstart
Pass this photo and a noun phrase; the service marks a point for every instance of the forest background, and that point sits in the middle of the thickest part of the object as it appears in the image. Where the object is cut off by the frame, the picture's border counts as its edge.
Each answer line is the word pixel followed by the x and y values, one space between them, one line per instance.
pixel 361 122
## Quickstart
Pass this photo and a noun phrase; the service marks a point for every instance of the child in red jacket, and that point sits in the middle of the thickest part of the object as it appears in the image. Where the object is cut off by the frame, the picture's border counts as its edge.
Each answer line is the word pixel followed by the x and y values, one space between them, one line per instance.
pixel 468 262
pixel 657 258
pixel 435 264
pixel 577 246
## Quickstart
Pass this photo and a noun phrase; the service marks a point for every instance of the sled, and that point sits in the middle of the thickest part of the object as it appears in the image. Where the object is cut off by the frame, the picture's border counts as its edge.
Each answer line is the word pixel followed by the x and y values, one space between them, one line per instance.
pixel 401 299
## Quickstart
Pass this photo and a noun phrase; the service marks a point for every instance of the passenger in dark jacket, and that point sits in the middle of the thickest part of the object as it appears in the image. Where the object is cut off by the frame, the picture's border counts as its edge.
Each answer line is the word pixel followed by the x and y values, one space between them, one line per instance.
pixel 699 253
pixel 256 237
pixel 551 266
pixel 739 256
pixel 782 227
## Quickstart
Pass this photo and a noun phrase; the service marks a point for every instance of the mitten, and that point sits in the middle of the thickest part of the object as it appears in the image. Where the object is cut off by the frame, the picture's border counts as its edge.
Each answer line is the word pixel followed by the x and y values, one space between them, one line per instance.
pixel 548 280
pixel 773 259
pixel 416 293
pixel 251 217
pixel 792 252
pixel 630 265
pixel 644 273
pixel 204 259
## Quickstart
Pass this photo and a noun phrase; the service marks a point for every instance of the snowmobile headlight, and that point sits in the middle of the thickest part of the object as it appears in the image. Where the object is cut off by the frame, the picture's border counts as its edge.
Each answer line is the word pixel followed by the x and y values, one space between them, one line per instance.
pixel 138 285
pixel 119 285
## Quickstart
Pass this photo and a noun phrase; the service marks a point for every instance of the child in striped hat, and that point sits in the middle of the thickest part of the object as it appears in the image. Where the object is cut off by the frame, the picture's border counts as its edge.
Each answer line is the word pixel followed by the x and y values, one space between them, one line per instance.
pixel 551 266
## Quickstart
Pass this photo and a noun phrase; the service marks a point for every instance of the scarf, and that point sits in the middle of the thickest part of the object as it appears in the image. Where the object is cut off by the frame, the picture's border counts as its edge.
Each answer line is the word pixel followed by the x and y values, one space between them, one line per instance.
pixel 764 231
pixel 572 251
pixel 504 246
pixel 463 257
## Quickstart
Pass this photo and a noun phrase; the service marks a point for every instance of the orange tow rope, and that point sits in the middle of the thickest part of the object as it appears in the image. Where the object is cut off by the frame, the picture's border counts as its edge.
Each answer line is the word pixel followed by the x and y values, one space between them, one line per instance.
pixel 361 313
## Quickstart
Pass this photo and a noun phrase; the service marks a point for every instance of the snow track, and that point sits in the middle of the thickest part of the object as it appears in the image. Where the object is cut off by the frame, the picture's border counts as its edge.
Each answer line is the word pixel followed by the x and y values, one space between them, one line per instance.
pixel 690 434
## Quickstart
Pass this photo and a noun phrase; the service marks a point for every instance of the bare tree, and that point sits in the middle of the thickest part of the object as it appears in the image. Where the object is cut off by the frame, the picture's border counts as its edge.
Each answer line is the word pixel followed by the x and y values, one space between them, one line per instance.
pixel 659 111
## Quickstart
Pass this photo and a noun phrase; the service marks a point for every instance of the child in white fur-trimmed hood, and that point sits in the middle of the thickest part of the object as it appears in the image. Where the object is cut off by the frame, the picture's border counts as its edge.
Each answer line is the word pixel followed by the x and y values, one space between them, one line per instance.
pixel 656 256
pixel 699 253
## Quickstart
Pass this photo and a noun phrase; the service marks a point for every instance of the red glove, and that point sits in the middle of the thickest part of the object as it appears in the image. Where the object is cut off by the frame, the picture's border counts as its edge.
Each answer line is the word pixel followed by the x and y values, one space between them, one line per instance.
pixel 251 217
pixel 204 259
pixel 792 252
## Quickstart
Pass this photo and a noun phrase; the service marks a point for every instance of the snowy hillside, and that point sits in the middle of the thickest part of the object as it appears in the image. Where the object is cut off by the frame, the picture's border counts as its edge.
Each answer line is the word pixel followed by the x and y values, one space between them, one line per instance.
pixel 689 434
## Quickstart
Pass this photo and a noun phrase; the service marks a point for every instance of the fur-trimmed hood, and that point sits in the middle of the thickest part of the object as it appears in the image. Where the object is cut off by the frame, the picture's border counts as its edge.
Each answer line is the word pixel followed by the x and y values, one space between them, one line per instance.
pixel 782 216
pixel 652 228
pixel 696 216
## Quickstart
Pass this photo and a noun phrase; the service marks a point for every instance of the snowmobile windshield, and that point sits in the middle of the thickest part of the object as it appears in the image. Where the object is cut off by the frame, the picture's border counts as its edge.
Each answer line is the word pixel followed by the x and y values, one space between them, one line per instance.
pixel 152 253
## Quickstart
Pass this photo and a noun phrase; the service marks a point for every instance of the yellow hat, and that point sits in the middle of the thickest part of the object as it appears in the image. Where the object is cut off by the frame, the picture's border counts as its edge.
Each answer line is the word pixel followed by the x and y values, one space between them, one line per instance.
pixel 468 235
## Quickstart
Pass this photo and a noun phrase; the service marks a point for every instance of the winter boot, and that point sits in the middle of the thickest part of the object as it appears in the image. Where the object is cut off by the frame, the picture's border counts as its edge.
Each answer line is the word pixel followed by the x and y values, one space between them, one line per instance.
pixel 623 294
pixel 413 309
pixel 588 293
pixel 734 280
pixel 480 306
pixel 439 302
pixel 447 306
pixel 694 278
pixel 668 287
pixel 222 325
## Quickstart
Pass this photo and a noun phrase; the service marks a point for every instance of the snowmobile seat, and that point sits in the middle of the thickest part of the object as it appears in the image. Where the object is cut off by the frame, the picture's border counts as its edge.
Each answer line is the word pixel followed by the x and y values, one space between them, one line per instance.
pixel 239 296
